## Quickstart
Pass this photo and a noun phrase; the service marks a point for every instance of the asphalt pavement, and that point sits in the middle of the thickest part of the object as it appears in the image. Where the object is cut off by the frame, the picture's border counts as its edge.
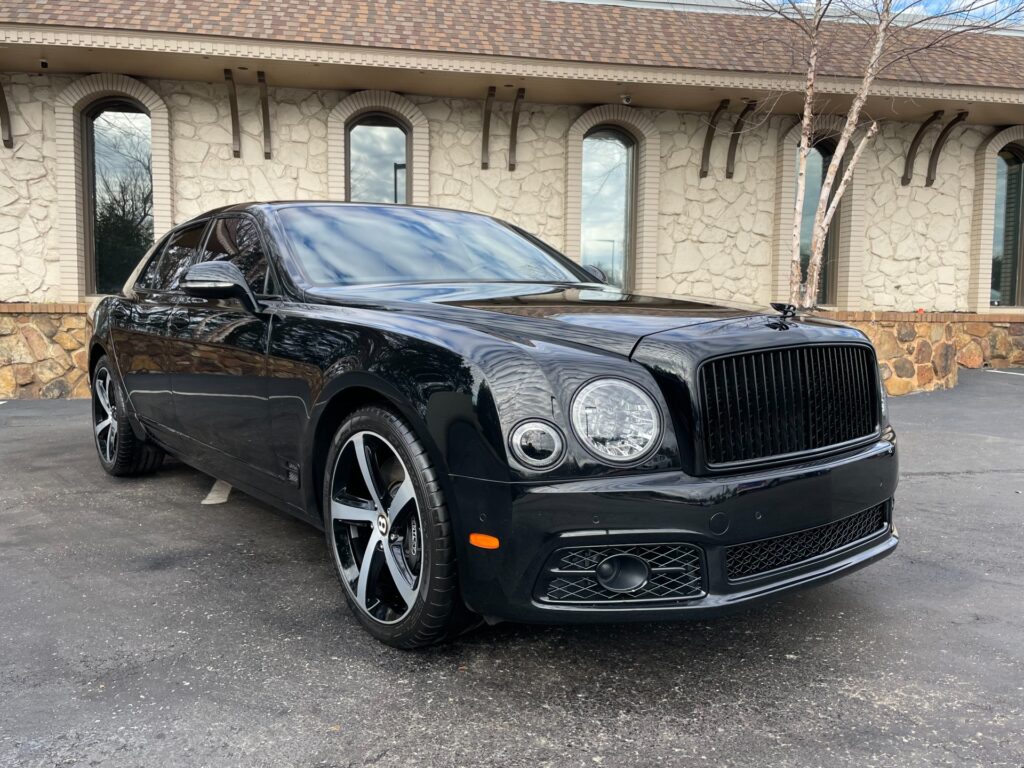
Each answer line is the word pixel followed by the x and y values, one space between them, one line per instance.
pixel 140 628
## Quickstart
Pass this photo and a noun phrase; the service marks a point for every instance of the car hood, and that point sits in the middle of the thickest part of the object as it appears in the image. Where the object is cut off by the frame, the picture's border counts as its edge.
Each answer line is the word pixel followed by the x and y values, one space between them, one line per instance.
pixel 587 315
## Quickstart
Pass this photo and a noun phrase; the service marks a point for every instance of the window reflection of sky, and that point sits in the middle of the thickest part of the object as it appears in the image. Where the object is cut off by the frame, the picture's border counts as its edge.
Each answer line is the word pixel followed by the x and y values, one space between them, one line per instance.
pixel 377 148
pixel 607 202
pixel 351 244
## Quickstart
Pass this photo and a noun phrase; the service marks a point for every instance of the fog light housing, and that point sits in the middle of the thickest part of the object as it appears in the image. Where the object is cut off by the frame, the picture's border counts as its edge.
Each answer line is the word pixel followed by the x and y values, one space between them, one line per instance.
pixel 622 573
pixel 537 444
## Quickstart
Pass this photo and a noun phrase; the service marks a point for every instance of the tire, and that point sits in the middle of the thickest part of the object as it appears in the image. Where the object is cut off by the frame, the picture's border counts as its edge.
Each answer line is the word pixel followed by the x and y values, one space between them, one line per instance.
pixel 121 453
pixel 406 595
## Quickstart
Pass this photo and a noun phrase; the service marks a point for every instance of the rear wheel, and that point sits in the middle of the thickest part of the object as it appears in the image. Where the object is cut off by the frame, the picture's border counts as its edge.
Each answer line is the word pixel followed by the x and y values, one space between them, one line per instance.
pixel 121 453
pixel 388 531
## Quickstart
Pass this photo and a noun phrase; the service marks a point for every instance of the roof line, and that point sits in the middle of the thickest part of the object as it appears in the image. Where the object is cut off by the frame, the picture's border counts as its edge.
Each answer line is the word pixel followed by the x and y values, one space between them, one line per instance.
pixel 485 64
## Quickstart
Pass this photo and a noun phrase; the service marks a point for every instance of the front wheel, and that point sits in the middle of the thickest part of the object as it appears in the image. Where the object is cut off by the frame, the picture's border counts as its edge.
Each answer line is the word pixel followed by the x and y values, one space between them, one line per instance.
pixel 121 452
pixel 388 531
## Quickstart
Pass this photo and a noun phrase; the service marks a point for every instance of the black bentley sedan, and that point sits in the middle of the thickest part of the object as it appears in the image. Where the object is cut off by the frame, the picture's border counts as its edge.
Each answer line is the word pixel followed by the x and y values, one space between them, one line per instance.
pixel 483 428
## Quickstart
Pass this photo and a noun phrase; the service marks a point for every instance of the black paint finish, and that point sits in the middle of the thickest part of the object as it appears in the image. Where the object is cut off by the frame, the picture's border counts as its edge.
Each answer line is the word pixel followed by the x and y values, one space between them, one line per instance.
pixel 253 397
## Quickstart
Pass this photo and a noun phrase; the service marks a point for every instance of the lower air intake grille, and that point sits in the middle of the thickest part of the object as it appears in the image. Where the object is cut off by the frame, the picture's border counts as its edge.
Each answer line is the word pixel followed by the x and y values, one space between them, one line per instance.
pixel 676 573
pixel 744 560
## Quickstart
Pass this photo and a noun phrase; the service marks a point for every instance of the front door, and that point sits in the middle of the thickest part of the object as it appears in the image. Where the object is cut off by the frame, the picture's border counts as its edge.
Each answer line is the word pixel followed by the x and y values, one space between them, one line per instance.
pixel 218 374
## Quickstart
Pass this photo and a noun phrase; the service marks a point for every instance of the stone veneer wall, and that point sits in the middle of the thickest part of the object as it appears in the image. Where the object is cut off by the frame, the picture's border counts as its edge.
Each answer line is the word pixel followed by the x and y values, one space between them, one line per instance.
pixel 42 351
pixel 714 234
pixel 919 352
pixel 917 239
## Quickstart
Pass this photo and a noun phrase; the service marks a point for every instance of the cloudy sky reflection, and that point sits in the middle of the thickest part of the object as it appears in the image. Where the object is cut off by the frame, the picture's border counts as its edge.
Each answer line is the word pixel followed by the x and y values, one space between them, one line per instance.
pixel 377 146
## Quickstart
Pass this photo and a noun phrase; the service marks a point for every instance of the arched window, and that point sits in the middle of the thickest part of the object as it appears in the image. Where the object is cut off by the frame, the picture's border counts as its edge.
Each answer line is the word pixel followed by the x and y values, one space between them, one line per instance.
pixel 1007 284
pixel 377 154
pixel 118 215
pixel 818 162
pixel 608 202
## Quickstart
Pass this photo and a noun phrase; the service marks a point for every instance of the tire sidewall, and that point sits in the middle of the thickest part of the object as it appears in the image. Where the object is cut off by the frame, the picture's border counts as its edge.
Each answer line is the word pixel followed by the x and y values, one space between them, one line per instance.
pixel 438 553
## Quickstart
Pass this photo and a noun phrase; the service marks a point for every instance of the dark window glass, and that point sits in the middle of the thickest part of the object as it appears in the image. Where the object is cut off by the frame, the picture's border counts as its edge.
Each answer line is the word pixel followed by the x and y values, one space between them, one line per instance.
pixel 237 239
pixel 817 166
pixel 180 254
pixel 607 202
pixel 353 244
pixel 377 160
pixel 1006 288
pixel 119 211
pixel 147 278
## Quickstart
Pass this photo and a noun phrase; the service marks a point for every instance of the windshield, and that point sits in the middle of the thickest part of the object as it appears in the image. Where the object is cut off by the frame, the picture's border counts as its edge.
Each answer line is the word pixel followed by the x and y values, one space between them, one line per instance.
pixel 360 244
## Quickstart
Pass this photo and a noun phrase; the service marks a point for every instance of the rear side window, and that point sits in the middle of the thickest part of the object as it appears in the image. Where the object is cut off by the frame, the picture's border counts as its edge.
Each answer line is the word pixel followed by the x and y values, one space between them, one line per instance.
pixel 237 239
pixel 179 254
pixel 147 279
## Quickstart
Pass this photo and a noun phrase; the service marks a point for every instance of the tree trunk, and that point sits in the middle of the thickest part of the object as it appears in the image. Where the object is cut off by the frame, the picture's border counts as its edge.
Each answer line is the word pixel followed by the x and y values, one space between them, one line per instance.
pixel 796 295
pixel 827 202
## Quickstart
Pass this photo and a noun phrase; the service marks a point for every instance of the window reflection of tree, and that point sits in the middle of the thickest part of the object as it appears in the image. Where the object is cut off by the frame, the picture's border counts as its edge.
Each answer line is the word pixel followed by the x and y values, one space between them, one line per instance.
pixel 119 180
pixel 236 239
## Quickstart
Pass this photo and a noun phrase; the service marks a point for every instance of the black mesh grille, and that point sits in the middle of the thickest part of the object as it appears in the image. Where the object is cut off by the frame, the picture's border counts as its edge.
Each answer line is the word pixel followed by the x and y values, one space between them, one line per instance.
pixel 783 401
pixel 743 560
pixel 677 573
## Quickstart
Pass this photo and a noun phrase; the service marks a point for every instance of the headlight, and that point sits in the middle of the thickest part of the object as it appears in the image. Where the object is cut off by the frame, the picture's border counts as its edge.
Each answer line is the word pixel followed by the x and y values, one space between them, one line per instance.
pixel 616 420
pixel 537 444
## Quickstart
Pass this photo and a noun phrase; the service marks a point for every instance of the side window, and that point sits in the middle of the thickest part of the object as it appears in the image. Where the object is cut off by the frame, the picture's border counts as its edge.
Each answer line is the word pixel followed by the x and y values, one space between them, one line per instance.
pixel 237 239
pixel 147 279
pixel 178 256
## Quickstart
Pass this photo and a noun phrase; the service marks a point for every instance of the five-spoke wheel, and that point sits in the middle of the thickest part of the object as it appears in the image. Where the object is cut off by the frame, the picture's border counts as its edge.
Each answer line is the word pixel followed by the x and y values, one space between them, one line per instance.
pixel 121 451
pixel 388 531
pixel 377 527
pixel 104 415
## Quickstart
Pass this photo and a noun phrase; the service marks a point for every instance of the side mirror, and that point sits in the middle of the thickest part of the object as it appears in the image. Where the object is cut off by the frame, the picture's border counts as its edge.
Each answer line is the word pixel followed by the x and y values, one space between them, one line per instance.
pixel 596 272
pixel 219 280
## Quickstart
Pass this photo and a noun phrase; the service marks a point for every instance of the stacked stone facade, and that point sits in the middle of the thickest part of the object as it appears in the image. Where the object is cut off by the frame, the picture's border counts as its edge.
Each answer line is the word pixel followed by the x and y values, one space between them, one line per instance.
pixel 43 351
pixel 920 353
pixel 713 237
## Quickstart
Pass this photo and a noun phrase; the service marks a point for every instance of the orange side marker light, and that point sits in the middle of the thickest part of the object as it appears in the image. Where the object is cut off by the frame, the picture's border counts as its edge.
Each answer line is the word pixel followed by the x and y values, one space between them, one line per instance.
pixel 484 541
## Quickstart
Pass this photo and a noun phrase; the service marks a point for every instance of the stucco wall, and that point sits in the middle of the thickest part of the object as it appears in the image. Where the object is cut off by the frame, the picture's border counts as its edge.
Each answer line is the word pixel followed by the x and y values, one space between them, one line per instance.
pixel 714 234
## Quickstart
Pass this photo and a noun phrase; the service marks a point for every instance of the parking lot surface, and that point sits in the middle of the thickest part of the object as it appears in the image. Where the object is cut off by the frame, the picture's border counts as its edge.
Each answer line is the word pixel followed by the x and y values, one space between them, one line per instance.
pixel 139 628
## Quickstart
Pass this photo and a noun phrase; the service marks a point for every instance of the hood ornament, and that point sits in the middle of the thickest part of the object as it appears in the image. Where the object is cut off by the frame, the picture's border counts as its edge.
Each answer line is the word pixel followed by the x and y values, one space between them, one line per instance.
pixel 786 312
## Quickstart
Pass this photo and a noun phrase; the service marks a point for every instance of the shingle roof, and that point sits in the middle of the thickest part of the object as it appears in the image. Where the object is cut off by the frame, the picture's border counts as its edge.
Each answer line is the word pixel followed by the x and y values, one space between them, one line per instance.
pixel 531 29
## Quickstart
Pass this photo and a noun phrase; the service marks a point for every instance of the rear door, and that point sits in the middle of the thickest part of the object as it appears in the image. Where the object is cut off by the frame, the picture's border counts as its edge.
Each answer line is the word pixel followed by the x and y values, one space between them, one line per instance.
pixel 219 371
pixel 140 328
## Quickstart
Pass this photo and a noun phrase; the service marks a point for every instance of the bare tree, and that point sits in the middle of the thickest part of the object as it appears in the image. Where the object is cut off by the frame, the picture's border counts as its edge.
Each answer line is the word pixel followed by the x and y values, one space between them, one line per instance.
pixel 872 37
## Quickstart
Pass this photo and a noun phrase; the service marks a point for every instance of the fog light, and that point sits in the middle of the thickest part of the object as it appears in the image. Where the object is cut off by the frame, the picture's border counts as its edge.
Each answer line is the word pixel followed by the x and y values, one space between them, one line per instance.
pixel 622 573
pixel 537 444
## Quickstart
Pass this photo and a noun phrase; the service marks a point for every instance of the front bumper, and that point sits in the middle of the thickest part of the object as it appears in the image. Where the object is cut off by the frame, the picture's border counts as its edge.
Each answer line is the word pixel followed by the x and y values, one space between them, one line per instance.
pixel 533 521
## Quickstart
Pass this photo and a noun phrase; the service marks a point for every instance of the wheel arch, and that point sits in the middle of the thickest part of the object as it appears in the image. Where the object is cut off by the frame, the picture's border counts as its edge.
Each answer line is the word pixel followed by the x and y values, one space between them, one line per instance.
pixel 96 351
pixel 348 395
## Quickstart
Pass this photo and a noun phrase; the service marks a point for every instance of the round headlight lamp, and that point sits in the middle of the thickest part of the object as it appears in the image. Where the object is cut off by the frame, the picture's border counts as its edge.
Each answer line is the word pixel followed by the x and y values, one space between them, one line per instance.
pixel 615 420
pixel 537 444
